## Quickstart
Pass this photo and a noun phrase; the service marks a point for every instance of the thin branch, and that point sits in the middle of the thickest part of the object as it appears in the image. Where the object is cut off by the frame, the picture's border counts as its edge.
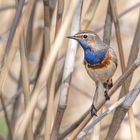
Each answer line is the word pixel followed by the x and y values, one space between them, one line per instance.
pixel 117 84
pixel 125 102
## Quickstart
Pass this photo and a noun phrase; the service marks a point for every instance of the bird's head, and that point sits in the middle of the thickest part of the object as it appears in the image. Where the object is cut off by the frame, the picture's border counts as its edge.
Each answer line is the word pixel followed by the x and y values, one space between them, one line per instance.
pixel 85 38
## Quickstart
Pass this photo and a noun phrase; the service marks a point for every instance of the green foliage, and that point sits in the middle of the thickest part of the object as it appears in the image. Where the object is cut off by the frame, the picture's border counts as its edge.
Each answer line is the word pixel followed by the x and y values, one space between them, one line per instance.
pixel 3 126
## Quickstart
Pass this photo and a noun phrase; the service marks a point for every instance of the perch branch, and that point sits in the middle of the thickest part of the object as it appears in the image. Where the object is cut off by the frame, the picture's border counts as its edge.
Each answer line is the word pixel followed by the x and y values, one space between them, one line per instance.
pixel 117 84
pixel 125 102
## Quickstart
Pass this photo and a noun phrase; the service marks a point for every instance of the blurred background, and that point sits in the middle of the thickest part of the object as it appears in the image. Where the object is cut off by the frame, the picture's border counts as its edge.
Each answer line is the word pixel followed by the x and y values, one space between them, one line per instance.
pixel 82 87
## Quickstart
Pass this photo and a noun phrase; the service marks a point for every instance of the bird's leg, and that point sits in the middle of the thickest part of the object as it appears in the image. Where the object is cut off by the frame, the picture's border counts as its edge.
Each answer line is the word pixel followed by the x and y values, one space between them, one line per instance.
pixel 106 86
pixel 106 95
pixel 93 110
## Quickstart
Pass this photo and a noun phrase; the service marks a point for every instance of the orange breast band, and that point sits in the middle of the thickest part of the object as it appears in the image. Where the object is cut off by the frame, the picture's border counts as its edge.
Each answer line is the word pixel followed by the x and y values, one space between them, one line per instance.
pixel 104 63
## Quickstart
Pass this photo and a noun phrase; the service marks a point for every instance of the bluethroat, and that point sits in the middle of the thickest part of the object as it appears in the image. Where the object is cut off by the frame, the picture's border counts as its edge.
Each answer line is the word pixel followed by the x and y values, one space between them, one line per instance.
pixel 99 59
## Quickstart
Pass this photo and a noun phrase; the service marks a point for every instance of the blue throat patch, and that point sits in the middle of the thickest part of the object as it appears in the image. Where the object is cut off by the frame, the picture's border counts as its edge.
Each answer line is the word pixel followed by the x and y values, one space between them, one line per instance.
pixel 94 57
pixel 91 56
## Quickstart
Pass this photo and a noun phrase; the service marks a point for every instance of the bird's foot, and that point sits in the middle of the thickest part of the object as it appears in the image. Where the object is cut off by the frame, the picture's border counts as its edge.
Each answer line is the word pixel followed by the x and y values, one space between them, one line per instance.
pixel 93 110
pixel 106 95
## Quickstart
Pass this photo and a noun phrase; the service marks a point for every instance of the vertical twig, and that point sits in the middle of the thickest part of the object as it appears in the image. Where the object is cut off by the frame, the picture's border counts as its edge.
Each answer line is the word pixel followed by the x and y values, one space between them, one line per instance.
pixel 126 88
pixel 23 122
pixel 25 83
pixel 16 106
pixel 106 39
pixel 48 16
pixel 29 32
pixel 50 103
pixel 108 26
pixel 88 17
pixel 10 136
pixel 14 25
pixel 14 45
pixel 68 69
pixel 133 54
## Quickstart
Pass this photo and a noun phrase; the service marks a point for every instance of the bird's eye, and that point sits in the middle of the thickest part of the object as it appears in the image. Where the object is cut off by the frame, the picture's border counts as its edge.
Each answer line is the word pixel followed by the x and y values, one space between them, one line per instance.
pixel 85 36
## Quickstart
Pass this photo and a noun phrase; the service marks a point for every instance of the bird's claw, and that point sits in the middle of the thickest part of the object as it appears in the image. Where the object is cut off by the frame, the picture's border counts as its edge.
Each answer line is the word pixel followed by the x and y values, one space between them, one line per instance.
pixel 106 95
pixel 93 110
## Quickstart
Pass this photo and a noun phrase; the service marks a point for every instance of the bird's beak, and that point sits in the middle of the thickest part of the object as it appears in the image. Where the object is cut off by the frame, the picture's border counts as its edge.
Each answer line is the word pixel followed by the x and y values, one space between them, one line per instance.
pixel 73 37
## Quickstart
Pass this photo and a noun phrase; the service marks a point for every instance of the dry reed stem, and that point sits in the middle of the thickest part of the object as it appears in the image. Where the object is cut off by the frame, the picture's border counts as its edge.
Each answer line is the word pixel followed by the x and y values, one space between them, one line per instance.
pixel 51 93
pixel 133 54
pixel 120 47
pixel 10 132
pixel 117 84
pixel 15 107
pixel 48 37
pixel 13 29
pixel 29 30
pixel 47 22
pixel 21 26
pixel 108 26
pixel 122 14
pixel 23 122
pixel 47 45
pixel 68 69
pixel 89 15
pixel 15 23
pixel 73 126
pixel 25 83
pixel 49 16
pixel 12 51
pixel 40 124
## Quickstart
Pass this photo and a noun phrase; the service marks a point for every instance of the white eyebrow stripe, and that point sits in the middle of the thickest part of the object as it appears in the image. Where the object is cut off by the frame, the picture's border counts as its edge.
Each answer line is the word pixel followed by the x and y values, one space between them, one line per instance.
pixel 85 33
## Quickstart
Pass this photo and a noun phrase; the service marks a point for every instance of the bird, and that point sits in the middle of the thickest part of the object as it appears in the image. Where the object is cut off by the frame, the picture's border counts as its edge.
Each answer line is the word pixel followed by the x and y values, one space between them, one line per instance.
pixel 100 61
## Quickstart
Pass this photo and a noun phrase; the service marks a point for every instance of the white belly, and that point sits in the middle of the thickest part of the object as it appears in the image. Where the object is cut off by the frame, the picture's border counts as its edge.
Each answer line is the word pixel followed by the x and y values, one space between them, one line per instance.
pixel 102 74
